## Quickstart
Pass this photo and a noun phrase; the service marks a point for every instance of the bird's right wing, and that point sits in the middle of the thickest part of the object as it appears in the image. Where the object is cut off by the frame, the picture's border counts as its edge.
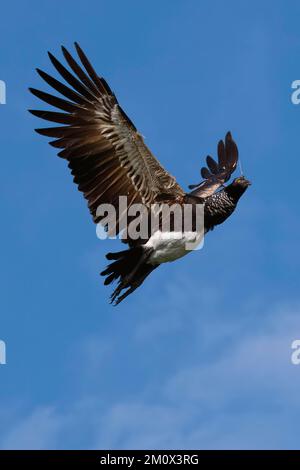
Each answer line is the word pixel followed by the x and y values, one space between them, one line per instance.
pixel 217 173
pixel 107 155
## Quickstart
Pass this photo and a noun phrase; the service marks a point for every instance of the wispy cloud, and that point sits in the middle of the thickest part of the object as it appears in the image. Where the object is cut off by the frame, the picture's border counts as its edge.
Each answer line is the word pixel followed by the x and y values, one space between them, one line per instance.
pixel 38 430
pixel 240 396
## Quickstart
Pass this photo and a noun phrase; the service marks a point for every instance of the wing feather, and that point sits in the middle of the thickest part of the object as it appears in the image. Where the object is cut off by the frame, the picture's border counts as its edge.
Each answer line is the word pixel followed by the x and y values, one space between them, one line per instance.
pixel 106 154
pixel 219 172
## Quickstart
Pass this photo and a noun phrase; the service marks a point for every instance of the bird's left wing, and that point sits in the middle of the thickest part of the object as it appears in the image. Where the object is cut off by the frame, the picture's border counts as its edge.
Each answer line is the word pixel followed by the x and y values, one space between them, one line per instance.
pixel 217 173
pixel 106 153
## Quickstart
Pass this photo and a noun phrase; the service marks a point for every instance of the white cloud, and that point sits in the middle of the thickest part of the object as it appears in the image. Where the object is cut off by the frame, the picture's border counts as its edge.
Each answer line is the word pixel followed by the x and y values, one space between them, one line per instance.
pixel 37 431
pixel 230 384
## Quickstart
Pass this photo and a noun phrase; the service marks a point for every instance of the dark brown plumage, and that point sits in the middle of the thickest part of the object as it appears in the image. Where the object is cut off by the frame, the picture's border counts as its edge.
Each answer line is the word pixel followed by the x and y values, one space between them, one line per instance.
pixel 106 154
pixel 108 158
pixel 219 172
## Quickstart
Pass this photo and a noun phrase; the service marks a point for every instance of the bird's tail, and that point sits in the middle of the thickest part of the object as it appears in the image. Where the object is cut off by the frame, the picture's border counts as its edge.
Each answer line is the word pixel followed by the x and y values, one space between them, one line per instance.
pixel 130 268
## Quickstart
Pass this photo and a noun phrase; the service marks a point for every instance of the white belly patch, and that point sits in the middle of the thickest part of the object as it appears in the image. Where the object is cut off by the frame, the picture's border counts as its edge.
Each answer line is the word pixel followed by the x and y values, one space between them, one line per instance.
pixel 169 246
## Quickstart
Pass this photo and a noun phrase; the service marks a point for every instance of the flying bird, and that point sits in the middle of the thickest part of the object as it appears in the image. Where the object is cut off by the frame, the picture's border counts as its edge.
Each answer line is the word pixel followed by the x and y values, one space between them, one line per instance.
pixel 108 158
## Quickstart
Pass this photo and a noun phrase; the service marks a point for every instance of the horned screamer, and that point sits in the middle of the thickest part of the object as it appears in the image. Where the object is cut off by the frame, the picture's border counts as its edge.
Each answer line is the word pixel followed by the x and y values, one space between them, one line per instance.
pixel 108 158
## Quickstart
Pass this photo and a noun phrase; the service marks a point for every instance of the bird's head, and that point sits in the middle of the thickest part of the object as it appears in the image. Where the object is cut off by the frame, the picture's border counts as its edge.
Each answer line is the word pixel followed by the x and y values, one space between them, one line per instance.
pixel 241 182
pixel 238 187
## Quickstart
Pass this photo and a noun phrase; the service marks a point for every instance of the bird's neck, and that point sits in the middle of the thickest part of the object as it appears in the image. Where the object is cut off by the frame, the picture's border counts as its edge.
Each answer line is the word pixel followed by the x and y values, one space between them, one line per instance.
pixel 234 191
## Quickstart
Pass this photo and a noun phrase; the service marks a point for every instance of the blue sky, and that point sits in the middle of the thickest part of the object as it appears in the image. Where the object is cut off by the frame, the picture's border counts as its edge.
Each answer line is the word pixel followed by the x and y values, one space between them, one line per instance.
pixel 199 357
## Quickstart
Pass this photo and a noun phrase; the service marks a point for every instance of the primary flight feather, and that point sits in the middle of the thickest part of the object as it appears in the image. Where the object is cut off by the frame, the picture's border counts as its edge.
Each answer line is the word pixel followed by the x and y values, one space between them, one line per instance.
pixel 108 159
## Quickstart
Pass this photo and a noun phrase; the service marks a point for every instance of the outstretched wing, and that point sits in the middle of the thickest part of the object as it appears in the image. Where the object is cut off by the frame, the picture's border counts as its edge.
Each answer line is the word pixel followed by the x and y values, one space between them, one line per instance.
pixel 217 173
pixel 106 154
